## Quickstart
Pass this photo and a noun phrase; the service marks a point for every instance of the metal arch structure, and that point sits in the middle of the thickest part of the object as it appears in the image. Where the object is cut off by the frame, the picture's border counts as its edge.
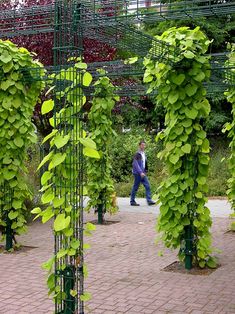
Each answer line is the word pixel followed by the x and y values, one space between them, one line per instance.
pixel 42 18
pixel 115 22
pixel 137 11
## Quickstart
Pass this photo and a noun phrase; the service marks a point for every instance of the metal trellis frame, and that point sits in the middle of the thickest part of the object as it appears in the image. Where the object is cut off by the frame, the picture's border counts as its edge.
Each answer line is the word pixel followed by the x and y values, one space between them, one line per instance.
pixel 116 22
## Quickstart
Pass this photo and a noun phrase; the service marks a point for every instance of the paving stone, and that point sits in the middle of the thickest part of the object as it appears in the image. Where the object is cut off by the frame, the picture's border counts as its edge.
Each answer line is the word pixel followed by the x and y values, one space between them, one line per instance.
pixel 125 272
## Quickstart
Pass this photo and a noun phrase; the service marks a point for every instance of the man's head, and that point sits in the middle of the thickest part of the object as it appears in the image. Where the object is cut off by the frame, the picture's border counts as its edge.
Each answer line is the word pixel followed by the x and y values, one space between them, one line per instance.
pixel 142 145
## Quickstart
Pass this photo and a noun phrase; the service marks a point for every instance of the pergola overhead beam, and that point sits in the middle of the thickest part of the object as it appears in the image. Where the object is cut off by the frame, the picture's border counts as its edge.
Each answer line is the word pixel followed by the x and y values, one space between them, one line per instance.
pixel 129 38
pixel 222 77
pixel 26 21
pixel 41 18
pixel 142 10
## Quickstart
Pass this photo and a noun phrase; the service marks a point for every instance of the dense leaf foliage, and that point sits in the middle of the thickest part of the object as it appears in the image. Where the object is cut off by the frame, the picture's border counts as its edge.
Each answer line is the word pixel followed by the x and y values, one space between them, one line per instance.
pixel 62 179
pixel 220 30
pixel 19 93
pixel 100 184
pixel 42 44
pixel 230 127
pixel 186 148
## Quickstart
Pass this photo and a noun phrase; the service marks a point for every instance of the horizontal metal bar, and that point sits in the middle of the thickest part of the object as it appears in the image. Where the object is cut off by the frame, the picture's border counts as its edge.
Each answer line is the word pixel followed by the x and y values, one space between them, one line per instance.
pixel 41 18
pixel 140 10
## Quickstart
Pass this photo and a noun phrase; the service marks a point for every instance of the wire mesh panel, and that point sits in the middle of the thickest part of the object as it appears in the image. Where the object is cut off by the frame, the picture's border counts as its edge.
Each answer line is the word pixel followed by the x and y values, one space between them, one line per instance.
pixel 21 20
pixel 27 26
pixel 127 38
pixel 26 20
pixel 222 75
pixel 153 10
pixel 67 35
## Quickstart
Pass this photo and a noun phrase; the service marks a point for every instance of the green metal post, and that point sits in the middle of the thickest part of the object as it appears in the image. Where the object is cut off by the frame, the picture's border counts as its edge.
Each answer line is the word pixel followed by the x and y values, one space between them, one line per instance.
pixel 188 246
pixel 69 282
pixel 9 237
pixel 100 214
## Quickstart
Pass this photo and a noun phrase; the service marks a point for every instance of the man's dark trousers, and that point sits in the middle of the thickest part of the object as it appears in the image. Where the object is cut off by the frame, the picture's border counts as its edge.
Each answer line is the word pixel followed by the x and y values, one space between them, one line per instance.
pixel 136 185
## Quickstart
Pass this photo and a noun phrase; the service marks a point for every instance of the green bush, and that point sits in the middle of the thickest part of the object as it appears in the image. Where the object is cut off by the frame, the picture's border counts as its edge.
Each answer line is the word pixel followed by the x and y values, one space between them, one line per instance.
pixel 125 146
pixel 218 171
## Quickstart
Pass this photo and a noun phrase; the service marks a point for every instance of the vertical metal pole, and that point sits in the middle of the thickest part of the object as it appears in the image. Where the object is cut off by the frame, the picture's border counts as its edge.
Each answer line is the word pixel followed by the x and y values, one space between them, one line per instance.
pixel 9 237
pixel 101 209
pixel 81 165
pixel 188 246
pixel 100 214
pixel 69 283
pixel 81 222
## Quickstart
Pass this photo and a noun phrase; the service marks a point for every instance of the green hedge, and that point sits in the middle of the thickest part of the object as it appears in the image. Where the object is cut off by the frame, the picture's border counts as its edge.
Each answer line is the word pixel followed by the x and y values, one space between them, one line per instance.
pixel 124 146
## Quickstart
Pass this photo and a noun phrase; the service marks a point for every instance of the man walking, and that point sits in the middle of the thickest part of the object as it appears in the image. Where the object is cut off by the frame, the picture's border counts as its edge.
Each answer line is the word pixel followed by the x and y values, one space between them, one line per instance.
pixel 139 169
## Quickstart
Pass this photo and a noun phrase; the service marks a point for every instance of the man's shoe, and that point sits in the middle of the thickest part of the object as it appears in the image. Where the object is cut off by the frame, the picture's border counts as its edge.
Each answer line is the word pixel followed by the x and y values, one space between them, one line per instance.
pixel 134 204
pixel 151 203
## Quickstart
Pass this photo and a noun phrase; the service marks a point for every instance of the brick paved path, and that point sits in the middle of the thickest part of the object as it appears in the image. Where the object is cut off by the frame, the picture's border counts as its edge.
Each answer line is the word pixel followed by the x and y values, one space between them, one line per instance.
pixel 125 273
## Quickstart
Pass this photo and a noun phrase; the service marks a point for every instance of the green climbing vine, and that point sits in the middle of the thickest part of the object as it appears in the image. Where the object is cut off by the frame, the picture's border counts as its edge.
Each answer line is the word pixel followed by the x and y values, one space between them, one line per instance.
pixel 230 127
pixel 62 180
pixel 19 92
pixel 186 148
pixel 100 184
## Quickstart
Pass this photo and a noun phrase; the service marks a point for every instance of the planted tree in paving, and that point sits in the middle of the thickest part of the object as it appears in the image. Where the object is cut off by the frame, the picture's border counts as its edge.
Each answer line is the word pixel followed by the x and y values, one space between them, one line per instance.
pixel 19 93
pixel 184 219
pixel 100 184
pixel 230 127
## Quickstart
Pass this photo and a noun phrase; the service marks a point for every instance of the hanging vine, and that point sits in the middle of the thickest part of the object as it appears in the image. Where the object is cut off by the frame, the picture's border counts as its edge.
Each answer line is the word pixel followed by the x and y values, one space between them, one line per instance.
pixel 62 181
pixel 230 127
pixel 100 184
pixel 19 92
pixel 186 148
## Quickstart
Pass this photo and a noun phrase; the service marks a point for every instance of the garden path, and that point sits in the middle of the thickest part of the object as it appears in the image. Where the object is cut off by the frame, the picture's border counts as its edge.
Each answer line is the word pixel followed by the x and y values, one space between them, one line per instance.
pixel 219 207
pixel 125 269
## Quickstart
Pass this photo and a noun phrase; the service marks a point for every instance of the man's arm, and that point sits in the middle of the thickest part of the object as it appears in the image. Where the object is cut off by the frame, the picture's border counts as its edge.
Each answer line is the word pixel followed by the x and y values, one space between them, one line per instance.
pixel 136 166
